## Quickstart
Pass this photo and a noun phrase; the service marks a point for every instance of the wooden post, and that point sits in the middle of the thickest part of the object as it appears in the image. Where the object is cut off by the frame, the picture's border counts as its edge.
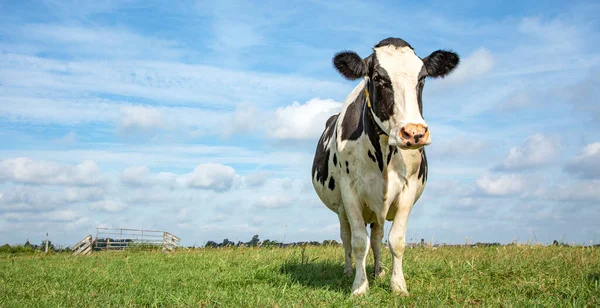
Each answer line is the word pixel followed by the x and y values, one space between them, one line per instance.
pixel 46 249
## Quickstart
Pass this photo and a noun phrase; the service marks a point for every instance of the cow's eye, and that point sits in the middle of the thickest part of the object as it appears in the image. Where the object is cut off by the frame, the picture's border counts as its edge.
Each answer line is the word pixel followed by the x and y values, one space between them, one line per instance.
pixel 376 78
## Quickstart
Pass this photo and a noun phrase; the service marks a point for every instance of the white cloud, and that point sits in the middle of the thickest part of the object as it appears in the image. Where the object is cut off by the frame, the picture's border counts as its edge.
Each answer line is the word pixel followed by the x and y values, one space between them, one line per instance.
pixel 560 35
pixel 476 65
pixel 586 191
pixel 29 171
pixel 518 100
pixel 52 216
pixel 139 119
pixel 166 82
pixel 84 194
pixel 68 139
pixel 257 179
pixel 537 150
pixel 183 215
pixel 110 42
pixel 587 164
pixel 273 201
pixel 257 220
pixel 502 185
pixel 136 176
pixel 25 198
pixel 243 120
pixel 303 121
pixel 211 176
pixel 108 206
pixel 141 176
pixel 461 146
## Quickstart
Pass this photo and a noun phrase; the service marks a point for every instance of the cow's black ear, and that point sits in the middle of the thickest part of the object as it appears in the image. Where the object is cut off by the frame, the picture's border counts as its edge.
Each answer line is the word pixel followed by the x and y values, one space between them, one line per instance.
pixel 441 63
pixel 350 65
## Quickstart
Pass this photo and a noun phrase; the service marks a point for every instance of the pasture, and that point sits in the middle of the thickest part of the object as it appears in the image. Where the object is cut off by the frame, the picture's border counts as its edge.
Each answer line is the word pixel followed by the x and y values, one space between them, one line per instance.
pixel 513 275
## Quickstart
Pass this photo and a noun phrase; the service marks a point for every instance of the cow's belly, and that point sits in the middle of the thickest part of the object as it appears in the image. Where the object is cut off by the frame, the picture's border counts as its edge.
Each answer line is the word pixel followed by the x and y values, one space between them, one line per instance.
pixel 332 198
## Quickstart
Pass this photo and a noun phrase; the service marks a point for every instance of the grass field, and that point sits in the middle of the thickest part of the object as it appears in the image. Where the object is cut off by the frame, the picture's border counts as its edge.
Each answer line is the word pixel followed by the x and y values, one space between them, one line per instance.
pixel 268 277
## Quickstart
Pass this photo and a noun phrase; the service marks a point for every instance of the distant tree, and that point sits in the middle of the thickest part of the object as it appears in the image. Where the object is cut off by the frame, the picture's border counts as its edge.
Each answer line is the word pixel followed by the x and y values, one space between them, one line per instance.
pixel 211 244
pixel 227 243
pixel 330 243
pixel 28 244
pixel 5 248
pixel 254 241
pixel 270 243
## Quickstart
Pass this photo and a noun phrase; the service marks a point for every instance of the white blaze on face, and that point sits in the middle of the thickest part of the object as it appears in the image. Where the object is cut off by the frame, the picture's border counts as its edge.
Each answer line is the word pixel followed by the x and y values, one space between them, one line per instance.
pixel 403 67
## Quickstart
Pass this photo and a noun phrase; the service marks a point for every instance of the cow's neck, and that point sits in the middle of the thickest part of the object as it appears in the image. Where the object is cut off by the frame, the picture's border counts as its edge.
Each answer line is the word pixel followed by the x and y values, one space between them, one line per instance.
pixel 377 137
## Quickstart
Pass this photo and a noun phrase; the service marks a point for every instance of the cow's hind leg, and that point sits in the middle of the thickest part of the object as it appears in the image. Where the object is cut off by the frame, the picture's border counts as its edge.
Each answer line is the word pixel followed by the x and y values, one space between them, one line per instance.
pixel 376 237
pixel 346 236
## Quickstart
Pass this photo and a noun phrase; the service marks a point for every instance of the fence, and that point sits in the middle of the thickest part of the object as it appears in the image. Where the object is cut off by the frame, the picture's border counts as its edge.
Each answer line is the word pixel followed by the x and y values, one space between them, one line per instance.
pixel 84 246
pixel 118 239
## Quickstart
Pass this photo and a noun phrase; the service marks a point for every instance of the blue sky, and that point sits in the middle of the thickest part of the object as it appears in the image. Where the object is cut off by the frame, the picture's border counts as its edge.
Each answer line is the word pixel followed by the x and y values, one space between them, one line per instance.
pixel 201 118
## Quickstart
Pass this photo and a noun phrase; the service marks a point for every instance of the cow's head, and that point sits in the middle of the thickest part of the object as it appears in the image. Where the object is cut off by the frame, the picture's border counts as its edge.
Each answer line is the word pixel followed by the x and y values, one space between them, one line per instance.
pixel 395 79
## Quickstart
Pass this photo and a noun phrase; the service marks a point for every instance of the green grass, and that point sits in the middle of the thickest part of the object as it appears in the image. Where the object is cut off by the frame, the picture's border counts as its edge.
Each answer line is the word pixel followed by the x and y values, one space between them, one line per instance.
pixel 250 277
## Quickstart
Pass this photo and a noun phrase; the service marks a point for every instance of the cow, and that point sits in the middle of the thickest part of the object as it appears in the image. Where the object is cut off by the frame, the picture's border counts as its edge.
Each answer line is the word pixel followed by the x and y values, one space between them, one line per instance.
pixel 370 164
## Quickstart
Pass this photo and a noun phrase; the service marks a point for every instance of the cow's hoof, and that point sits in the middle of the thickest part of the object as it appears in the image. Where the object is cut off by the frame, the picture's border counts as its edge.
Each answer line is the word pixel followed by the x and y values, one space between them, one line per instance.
pixel 379 274
pixel 348 271
pixel 360 291
pixel 399 291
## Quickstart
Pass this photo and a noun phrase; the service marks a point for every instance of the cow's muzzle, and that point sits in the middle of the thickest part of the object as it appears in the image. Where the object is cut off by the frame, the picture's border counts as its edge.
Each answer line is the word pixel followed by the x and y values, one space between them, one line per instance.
pixel 411 136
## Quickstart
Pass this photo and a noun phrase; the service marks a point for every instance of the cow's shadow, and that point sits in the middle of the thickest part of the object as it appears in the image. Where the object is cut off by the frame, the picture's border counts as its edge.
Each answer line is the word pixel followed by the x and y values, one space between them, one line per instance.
pixel 318 275
pixel 326 275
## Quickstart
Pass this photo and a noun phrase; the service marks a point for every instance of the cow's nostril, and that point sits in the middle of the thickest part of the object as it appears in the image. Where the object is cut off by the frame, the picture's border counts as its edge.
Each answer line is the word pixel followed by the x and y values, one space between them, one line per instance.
pixel 404 133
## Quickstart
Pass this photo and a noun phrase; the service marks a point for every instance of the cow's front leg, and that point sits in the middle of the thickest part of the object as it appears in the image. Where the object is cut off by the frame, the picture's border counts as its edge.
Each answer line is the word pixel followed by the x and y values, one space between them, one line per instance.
pixel 360 241
pixel 397 241
pixel 376 237
pixel 345 234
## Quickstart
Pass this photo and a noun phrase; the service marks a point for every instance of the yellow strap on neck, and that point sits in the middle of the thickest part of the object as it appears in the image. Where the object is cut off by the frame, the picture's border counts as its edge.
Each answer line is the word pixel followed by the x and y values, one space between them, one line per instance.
pixel 368 99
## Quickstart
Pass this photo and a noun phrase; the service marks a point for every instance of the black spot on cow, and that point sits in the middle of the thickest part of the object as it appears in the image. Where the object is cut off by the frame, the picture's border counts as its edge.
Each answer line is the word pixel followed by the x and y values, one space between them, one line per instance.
pixel 381 91
pixel 372 131
pixel 397 42
pixel 334 160
pixel 331 183
pixel 352 125
pixel 371 156
pixel 423 166
pixel 320 167
pixel 347 169
pixel 392 150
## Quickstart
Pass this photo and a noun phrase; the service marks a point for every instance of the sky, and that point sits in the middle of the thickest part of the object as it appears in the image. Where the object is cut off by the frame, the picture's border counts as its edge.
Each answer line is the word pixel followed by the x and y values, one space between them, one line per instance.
pixel 201 118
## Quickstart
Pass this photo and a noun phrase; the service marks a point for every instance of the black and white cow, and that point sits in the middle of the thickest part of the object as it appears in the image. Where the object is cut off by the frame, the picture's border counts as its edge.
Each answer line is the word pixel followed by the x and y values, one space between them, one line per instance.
pixel 370 164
